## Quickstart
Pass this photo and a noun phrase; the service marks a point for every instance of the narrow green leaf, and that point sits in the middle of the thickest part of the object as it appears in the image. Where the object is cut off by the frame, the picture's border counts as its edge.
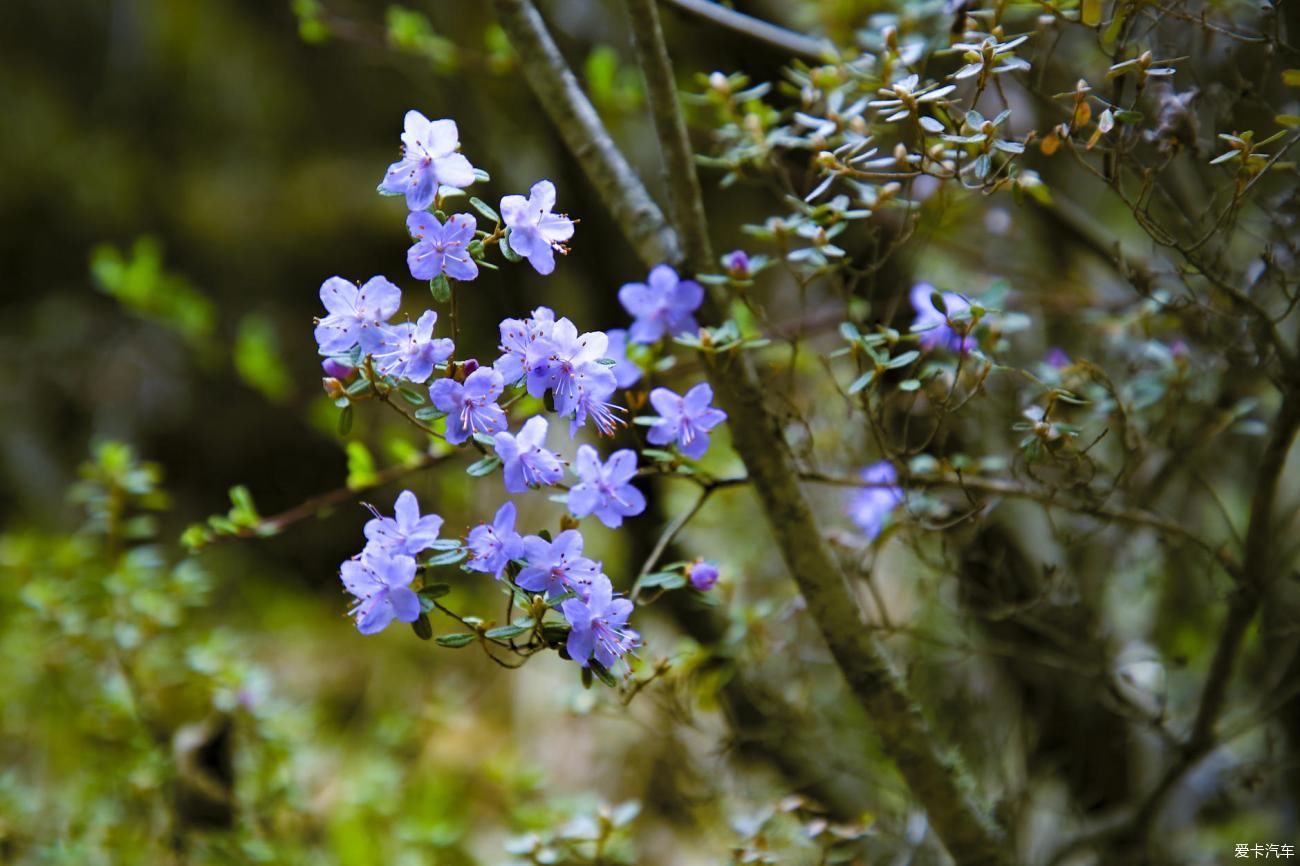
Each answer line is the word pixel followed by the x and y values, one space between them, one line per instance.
pixel 455 640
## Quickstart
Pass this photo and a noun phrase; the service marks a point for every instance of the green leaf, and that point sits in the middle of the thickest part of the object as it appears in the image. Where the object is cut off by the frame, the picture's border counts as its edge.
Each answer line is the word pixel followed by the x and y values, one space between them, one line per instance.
pixel 440 288
pixel 455 640
pixel 361 466
pixel 862 381
pixel 601 674
pixel 345 420
pixel 422 627
pixel 909 384
pixel 434 591
pixel 659 455
pixel 665 579
pixel 507 251
pixel 451 557
pixel 484 208
pixel 486 466
pixel 428 413
pixel 506 632
pixel 903 360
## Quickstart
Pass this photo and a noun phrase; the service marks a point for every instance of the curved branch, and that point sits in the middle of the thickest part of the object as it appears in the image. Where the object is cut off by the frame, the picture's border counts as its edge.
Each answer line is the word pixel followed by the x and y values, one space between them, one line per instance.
pixel 937 780
pixel 580 126
pixel 795 44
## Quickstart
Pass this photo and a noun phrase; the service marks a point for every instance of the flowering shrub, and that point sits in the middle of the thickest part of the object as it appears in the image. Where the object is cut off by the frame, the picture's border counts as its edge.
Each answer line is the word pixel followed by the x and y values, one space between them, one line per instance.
pixel 1005 372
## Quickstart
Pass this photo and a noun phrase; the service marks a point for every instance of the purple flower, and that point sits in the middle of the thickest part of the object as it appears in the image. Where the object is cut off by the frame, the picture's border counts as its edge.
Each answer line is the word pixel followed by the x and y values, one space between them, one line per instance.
pixel 516 336
pixel 687 420
pixel 410 351
pixel 355 314
pixel 535 232
pixel 1056 357
pixel 871 505
pixel 936 327
pixel 703 574
pixel 555 362
pixel 626 372
pixel 381 584
pixel 527 462
pixel 663 305
pixel 605 490
pixel 472 407
pixel 599 626
pixel 406 533
pixel 557 566
pixel 737 262
pixel 429 160
pixel 491 547
pixel 595 384
pixel 441 248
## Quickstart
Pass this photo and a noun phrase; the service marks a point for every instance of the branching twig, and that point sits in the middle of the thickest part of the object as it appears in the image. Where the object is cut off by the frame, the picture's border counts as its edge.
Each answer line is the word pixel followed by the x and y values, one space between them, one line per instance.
pixel 795 44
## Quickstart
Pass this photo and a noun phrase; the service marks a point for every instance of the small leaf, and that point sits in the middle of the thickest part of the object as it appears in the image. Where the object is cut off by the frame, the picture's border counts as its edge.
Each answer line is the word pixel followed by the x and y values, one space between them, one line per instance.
pixel 862 381
pixel 455 640
pixel 909 385
pixel 451 557
pixel 486 466
pixel 440 288
pixel 434 591
pixel 601 674
pixel 1090 15
pixel 506 632
pixel 665 579
pixel 345 420
pixel 484 208
pixel 507 251
pixel 422 628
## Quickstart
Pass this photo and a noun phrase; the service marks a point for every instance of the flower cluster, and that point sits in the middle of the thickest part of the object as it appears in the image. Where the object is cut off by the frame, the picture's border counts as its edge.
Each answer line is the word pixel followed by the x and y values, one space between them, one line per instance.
pixel 873 504
pixel 574 373
pixel 380 576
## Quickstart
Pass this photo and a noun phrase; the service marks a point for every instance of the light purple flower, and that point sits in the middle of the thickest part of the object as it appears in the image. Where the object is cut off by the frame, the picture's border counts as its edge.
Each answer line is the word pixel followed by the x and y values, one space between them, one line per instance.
pixel 661 306
pixel 934 326
pixel 554 363
pixel 737 262
pixel 599 626
pixel 410 351
pixel 687 420
pixel 1056 357
pixel 472 407
pixel 406 533
pixel 605 490
pixel 703 574
pixel 871 505
pixel 595 384
pixel 558 566
pixel 626 373
pixel 429 160
pixel 492 546
pixel 516 336
pixel 381 584
pixel 356 315
pixel 527 462
pixel 441 248
pixel 535 232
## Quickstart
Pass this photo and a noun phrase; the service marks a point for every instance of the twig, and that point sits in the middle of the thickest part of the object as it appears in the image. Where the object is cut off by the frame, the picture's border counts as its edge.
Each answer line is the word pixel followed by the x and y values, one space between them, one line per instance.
pixel 937 780
pixel 669 533
pixel 796 44
pixel 276 524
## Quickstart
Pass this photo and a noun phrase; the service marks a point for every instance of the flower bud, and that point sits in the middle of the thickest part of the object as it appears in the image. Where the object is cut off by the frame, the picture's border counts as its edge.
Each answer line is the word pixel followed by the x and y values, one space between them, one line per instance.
pixel 333 387
pixel 703 574
pixel 719 82
pixel 337 369
pixel 467 367
pixel 738 264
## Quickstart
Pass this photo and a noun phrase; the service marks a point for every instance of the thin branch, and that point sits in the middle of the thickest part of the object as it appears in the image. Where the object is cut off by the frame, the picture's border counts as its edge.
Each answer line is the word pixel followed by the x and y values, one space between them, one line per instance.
pixel 935 778
pixel 1256 576
pixel 322 502
pixel 556 87
pixel 795 44
pixel 669 533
